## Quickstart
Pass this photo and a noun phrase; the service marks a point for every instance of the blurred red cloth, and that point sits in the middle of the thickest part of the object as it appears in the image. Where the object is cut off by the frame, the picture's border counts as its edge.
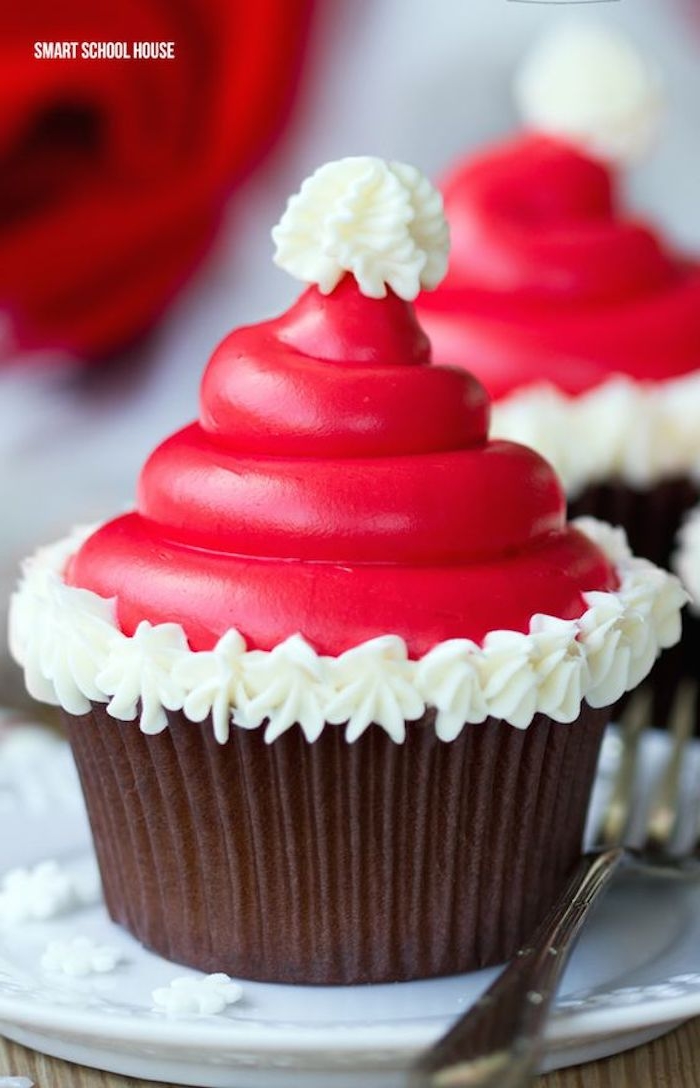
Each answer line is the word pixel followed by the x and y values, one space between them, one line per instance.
pixel 113 172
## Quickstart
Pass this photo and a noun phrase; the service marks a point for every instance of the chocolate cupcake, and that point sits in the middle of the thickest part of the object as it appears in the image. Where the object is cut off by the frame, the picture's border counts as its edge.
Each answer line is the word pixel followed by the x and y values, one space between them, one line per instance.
pixel 686 562
pixel 336 687
pixel 582 322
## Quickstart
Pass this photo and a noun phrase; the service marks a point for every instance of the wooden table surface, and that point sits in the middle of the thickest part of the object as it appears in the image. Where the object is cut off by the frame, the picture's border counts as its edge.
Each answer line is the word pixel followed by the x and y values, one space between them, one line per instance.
pixel 671 1062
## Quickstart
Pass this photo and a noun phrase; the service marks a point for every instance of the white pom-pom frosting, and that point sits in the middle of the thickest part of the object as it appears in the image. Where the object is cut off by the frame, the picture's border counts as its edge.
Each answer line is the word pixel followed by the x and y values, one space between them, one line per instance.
pixel 381 221
pixel 589 84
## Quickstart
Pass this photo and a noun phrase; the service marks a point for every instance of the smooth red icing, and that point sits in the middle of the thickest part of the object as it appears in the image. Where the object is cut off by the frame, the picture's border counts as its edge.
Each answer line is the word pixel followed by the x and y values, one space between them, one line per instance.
pixel 339 484
pixel 548 281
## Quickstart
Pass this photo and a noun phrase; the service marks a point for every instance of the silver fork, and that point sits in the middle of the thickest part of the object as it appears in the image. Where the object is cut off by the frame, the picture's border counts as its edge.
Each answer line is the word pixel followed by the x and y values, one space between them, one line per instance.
pixel 499 1042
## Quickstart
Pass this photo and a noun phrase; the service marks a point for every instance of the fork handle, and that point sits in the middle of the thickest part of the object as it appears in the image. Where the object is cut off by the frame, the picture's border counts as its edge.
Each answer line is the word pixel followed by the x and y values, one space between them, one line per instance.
pixel 498 1043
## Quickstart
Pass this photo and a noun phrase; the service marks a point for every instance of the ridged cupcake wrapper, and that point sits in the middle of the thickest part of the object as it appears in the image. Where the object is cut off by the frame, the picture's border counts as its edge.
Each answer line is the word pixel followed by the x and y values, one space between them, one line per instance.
pixel 651 518
pixel 674 682
pixel 333 862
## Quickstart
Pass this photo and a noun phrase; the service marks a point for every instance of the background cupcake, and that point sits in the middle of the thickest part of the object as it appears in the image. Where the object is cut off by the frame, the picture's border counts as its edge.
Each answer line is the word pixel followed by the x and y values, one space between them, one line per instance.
pixel 370 661
pixel 582 322
pixel 687 560
pixel 687 564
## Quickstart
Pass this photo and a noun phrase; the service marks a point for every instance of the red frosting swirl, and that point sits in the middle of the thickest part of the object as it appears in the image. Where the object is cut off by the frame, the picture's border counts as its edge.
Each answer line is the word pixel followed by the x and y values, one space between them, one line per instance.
pixel 340 485
pixel 548 281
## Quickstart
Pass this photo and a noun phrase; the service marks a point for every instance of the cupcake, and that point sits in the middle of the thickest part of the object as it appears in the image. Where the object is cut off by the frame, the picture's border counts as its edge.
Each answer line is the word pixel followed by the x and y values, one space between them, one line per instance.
pixel 336 687
pixel 582 322
pixel 687 559
pixel 687 565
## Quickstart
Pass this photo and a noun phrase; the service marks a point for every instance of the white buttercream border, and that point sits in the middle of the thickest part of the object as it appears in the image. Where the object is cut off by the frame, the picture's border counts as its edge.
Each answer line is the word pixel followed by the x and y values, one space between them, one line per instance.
pixel 687 557
pixel 636 432
pixel 74 654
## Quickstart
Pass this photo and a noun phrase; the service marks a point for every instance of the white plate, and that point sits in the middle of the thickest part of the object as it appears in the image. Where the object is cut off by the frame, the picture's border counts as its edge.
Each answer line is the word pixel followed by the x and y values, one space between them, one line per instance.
pixel 635 974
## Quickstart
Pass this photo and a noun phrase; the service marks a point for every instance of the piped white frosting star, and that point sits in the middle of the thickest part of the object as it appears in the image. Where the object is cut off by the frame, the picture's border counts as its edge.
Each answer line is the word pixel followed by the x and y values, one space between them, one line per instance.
pixel 448 678
pixel 141 672
pixel 63 669
pixel 286 686
pixel 214 681
pixel 373 682
pixel 621 634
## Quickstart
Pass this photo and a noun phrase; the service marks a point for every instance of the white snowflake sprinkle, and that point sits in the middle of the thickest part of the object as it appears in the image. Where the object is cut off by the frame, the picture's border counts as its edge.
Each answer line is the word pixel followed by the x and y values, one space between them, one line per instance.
pixel 206 996
pixel 80 956
pixel 36 894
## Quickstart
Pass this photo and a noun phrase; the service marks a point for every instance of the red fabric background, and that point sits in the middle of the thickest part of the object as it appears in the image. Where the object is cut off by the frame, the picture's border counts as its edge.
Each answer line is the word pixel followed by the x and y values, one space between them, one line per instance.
pixel 113 172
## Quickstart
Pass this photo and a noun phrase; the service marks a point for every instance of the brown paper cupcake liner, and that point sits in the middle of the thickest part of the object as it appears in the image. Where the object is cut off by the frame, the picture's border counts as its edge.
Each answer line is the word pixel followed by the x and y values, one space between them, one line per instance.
pixel 674 682
pixel 333 862
pixel 651 518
